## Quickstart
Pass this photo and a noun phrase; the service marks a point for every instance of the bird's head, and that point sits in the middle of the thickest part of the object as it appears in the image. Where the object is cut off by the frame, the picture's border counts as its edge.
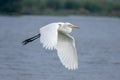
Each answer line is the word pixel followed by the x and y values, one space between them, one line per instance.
pixel 66 27
pixel 70 25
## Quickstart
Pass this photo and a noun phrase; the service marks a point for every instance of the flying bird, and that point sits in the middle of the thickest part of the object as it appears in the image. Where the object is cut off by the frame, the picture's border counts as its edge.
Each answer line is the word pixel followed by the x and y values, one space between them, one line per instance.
pixel 56 36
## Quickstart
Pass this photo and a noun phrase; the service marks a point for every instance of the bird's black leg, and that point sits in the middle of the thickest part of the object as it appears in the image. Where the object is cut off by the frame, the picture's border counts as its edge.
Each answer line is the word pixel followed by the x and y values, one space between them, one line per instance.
pixel 30 39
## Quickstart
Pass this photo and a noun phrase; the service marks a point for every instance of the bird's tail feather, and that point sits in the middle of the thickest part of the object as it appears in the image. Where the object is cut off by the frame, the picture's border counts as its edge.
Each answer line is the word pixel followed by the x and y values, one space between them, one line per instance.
pixel 30 39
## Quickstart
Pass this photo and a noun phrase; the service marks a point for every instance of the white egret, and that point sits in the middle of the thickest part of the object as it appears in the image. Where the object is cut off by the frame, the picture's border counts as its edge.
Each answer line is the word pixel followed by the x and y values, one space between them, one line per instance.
pixel 56 36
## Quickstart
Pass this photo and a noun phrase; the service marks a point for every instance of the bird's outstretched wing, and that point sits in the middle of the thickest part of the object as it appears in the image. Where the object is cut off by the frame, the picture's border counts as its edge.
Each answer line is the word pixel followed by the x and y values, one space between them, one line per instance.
pixel 67 51
pixel 49 36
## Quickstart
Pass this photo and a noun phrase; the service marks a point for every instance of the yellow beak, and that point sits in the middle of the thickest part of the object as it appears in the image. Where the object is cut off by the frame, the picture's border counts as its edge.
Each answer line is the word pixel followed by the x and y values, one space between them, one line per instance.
pixel 73 26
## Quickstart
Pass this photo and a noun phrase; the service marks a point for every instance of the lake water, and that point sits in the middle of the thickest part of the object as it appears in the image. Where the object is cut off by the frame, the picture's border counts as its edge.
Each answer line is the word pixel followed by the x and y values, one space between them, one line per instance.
pixel 97 42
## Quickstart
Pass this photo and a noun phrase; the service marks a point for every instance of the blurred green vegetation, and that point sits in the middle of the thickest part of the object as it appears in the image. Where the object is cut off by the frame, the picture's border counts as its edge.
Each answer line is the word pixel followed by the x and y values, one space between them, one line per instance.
pixel 10 6
pixel 61 7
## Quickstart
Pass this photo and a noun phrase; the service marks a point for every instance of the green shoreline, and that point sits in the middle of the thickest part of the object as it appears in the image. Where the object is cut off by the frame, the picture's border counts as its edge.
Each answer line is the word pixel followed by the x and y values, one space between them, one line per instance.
pixel 60 7
pixel 59 14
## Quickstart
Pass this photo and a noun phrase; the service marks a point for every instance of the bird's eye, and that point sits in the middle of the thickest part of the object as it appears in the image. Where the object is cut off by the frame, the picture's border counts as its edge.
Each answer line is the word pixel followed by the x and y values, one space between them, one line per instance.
pixel 70 25
pixel 59 24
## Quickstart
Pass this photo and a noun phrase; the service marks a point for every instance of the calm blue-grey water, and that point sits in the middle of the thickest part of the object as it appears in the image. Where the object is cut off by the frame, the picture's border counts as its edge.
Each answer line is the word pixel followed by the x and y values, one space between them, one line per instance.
pixel 97 42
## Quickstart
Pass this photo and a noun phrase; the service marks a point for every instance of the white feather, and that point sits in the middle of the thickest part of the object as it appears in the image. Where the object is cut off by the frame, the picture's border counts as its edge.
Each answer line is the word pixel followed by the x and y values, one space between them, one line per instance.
pixel 67 51
pixel 53 36
pixel 49 35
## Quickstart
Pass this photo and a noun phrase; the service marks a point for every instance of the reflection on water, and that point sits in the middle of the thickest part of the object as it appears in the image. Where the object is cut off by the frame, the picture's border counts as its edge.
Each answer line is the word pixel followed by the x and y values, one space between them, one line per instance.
pixel 97 43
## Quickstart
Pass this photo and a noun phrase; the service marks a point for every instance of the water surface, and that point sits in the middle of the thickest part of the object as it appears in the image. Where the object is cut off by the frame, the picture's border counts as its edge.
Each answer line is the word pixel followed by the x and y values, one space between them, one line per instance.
pixel 97 42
